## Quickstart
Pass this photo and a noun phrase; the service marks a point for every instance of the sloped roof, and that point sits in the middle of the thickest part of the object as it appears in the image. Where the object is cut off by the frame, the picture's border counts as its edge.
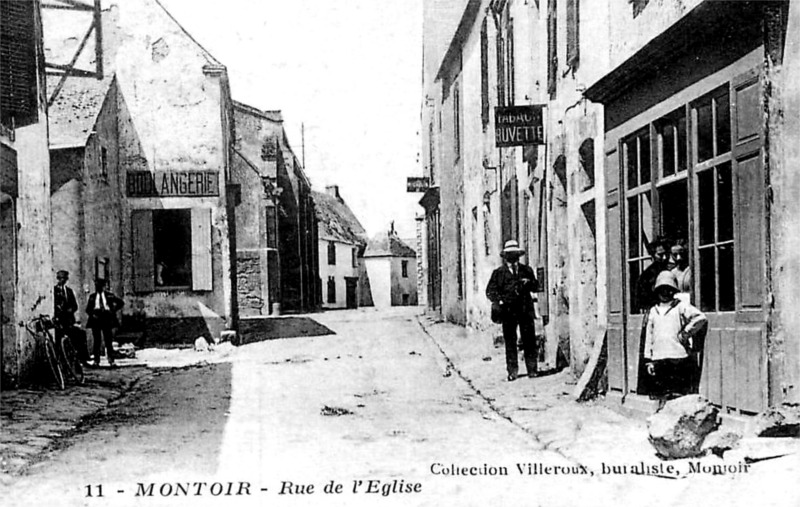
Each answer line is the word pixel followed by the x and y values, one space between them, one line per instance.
pixel 388 245
pixel 73 115
pixel 336 220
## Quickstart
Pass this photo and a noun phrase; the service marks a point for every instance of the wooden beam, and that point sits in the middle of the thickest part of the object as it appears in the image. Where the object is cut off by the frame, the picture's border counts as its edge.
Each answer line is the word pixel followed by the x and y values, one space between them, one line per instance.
pixel 63 79
pixel 72 5
pixel 98 39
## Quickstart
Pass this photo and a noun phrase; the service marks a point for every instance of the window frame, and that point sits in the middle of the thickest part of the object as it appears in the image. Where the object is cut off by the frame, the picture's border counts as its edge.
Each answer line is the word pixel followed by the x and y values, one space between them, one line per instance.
pixel 690 176
pixel 331 253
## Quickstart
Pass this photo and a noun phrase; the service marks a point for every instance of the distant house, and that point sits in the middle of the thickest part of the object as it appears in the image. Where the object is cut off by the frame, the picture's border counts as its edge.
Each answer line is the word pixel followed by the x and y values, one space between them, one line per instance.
pixel 342 241
pixel 391 266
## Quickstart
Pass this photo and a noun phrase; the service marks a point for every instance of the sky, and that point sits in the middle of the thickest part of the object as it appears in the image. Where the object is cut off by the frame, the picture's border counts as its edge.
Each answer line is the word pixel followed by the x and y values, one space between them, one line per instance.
pixel 349 70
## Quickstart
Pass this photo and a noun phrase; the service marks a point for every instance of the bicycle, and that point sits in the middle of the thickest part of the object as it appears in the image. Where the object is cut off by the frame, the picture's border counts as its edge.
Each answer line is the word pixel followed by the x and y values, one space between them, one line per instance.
pixel 61 354
pixel 38 327
pixel 70 360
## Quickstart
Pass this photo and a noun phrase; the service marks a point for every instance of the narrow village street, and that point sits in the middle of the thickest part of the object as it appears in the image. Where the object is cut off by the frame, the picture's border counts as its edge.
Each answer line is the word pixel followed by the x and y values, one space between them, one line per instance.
pixel 379 400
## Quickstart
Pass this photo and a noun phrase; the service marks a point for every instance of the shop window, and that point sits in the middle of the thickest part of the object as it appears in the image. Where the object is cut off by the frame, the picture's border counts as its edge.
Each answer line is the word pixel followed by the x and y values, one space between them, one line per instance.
pixel 637 159
pixel 672 144
pixel 172 240
pixel 713 125
pixel 640 210
pixel 715 244
pixel 172 249
pixel 404 269
pixel 695 196
pixel 331 290
pixel 331 253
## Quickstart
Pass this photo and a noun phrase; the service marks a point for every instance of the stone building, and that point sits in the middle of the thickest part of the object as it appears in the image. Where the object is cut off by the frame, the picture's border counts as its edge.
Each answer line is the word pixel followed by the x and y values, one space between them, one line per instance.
pixel 141 160
pixel 342 241
pixel 267 244
pixel 26 270
pixel 391 267
pixel 660 119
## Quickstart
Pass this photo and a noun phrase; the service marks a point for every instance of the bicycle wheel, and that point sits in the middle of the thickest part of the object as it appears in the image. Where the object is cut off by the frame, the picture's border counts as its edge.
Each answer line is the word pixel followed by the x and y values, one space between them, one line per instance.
pixel 52 360
pixel 70 361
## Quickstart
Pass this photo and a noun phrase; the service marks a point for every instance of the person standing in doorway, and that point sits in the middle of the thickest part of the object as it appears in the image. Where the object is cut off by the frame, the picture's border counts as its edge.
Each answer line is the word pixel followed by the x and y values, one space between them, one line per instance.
pixel 672 327
pixel 64 307
pixel 682 270
pixel 102 308
pixel 659 252
pixel 511 290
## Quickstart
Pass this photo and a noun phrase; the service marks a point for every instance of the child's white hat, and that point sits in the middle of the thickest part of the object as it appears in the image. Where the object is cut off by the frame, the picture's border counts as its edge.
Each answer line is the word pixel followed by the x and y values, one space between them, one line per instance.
pixel 666 279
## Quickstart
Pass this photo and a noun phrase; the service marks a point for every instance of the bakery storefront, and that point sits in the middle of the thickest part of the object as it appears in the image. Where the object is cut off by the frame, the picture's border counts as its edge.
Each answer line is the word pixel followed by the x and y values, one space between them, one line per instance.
pixel 177 253
pixel 684 159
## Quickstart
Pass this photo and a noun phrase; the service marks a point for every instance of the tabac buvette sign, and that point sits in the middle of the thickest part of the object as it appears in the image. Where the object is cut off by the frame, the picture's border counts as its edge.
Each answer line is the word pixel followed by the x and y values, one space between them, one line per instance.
pixel 518 126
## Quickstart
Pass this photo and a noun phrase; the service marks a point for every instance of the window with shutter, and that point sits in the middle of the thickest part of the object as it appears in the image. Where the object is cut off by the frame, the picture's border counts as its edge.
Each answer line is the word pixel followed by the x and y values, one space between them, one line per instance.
pixel 552 48
pixel 573 33
pixel 18 71
pixel 510 96
pixel 484 75
pixel 331 253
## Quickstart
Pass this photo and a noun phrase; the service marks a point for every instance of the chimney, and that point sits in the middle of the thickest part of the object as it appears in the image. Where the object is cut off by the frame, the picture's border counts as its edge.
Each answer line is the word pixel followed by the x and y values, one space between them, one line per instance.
pixel 333 191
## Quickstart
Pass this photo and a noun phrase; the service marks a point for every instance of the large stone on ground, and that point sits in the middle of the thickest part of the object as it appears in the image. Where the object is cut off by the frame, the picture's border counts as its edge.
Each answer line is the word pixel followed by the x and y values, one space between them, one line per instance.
pixel 720 442
pixel 680 427
pixel 782 421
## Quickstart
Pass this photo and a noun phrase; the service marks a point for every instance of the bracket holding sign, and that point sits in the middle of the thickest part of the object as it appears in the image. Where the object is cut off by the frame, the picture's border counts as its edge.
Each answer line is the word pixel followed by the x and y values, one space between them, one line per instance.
pixel 518 126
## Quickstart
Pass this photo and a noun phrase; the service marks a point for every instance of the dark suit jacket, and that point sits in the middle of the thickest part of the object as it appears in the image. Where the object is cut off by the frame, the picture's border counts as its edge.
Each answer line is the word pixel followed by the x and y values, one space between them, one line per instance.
pixel 64 306
pixel 103 319
pixel 514 291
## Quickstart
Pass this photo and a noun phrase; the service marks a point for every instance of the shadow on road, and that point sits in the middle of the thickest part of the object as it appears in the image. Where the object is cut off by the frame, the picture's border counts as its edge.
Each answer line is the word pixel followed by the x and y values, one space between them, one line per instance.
pixel 256 330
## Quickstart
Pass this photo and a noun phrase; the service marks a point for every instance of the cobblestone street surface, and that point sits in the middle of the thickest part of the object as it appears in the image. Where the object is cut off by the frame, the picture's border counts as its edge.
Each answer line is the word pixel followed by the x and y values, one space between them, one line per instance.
pixel 34 421
pixel 392 397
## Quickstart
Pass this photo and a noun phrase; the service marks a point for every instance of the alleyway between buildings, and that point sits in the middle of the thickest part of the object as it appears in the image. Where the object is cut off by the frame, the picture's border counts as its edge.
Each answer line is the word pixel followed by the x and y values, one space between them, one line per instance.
pixel 392 396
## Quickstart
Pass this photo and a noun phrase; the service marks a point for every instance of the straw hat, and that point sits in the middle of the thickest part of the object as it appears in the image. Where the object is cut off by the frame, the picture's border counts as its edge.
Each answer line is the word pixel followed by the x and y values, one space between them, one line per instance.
pixel 666 279
pixel 512 247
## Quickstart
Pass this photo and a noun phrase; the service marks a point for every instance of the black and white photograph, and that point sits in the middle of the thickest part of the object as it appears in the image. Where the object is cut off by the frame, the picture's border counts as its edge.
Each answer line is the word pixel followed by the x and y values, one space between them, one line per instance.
pixel 399 252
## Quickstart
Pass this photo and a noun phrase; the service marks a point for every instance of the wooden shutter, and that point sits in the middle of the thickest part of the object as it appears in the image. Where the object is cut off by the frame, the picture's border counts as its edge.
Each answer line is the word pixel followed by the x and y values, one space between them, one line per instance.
pixel 573 33
pixel 747 129
pixel 484 77
pixel 18 69
pixel 501 81
pixel 614 275
pixel 143 264
pixel 511 94
pixel 745 378
pixel 202 278
pixel 552 49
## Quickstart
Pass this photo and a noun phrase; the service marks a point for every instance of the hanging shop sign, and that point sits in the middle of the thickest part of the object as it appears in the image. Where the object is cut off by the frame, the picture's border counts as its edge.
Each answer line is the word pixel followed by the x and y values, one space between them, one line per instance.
pixel 518 126
pixel 417 184
pixel 172 184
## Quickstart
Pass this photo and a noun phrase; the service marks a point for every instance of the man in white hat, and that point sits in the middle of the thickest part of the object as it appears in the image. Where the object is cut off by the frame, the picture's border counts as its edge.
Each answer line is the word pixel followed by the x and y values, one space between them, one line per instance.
pixel 511 290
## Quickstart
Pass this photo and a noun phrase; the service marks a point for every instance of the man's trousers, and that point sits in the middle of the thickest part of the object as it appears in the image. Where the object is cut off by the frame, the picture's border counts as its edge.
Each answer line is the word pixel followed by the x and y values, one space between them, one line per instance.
pixel 525 322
